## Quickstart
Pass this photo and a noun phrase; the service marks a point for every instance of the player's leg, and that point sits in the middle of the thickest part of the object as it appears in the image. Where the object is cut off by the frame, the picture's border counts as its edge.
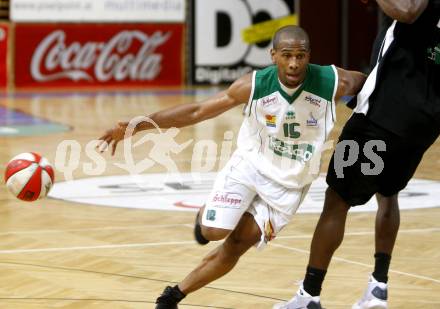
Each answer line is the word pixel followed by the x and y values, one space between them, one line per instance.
pixel 222 259
pixel 327 237
pixel 271 221
pixel 216 264
pixel 352 189
pixel 387 226
pixel 402 160
pixel 224 214
pixel 204 234
pixel 232 193
pixel 329 231
pixel 387 222
pixel 259 225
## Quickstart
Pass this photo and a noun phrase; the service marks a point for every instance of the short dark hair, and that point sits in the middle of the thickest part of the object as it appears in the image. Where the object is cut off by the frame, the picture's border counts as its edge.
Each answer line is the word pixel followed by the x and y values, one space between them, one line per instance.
pixel 291 31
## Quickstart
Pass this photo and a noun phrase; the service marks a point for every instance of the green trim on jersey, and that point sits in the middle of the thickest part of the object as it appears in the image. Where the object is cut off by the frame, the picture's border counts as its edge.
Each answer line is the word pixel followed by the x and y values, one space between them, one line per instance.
pixel 320 80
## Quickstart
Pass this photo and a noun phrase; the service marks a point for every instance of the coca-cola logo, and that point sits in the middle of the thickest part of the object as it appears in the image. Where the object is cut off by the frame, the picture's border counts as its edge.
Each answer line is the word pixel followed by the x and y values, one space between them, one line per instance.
pixel 53 59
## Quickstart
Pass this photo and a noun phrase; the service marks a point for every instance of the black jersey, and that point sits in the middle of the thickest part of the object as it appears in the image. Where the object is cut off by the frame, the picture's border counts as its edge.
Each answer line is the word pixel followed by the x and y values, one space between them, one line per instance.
pixel 405 93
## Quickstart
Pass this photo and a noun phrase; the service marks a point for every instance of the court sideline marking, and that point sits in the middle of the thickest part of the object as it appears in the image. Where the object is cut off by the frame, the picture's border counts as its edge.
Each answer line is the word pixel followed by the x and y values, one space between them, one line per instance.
pixel 335 258
pixel 139 245
pixel 191 225
pixel 108 228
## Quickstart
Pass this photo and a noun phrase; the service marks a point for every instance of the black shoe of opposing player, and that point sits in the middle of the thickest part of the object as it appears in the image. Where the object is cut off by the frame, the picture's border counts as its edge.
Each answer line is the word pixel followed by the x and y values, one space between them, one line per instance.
pixel 198 232
pixel 169 298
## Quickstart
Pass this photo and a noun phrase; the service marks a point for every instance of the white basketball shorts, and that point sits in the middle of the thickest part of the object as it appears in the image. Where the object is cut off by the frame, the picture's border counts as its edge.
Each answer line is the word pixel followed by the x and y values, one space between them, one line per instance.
pixel 240 187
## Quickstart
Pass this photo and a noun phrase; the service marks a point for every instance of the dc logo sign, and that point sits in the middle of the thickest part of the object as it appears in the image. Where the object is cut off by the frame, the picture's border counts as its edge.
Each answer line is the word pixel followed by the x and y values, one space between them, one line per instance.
pixel 219 52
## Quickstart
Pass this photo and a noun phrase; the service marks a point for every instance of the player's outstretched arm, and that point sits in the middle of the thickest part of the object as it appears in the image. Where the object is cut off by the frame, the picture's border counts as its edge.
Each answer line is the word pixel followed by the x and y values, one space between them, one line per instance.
pixel 185 114
pixel 188 114
pixel 349 82
pixel 405 11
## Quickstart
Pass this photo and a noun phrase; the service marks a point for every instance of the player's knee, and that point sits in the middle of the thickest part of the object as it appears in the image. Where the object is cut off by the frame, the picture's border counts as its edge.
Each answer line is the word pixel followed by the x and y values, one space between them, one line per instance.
pixel 244 240
pixel 237 247
pixel 334 203
pixel 237 243
pixel 388 205
pixel 387 201
pixel 213 233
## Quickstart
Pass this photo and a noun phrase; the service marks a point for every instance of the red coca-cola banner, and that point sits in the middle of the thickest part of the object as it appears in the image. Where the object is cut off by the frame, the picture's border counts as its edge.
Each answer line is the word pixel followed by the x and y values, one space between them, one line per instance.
pixel 4 33
pixel 81 55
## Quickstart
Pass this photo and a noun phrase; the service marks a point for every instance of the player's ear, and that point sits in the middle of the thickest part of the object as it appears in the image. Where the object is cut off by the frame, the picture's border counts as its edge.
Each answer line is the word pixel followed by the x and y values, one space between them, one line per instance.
pixel 272 55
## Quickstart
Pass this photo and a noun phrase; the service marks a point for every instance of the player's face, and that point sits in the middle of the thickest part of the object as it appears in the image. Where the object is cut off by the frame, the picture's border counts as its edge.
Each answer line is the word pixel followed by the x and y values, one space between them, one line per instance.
pixel 291 57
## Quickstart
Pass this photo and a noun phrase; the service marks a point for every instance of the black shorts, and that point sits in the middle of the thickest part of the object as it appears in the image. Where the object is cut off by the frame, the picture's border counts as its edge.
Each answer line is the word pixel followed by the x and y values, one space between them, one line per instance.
pixel 400 160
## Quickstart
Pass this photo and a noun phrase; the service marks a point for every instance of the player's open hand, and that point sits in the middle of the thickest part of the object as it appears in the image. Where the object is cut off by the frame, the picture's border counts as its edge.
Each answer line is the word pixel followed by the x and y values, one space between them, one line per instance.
pixel 112 137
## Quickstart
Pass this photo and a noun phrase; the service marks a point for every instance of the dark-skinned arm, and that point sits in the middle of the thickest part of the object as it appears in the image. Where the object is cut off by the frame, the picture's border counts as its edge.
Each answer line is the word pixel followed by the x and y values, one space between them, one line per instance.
pixel 404 11
pixel 349 83
pixel 185 114
pixel 188 114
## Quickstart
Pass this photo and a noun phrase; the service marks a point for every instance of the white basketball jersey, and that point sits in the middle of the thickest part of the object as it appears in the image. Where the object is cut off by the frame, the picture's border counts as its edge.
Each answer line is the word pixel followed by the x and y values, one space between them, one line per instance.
pixel 283 135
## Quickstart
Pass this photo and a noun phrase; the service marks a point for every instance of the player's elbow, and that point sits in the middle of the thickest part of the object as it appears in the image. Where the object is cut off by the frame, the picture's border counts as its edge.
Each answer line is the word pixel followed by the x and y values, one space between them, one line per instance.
pixel 351 84
pixel 196 114
pixel 359 82
pixel 346 85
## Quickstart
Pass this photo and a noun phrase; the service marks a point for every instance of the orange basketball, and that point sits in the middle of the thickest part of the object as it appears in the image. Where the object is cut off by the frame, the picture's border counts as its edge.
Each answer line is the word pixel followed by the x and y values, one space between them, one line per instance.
pixel 29 176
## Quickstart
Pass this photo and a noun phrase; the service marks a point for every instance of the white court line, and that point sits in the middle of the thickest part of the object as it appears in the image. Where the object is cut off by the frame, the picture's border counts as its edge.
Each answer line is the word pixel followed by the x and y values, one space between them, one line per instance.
pixel 140 245
pixel 158 243
pixel 409 231
pixel 109 228
pixel 402 231
pixel 191 225
pixel 335 258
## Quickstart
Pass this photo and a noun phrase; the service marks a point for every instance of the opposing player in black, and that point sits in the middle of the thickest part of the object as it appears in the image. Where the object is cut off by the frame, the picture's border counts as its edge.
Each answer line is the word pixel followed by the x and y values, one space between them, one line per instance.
pixel 399 105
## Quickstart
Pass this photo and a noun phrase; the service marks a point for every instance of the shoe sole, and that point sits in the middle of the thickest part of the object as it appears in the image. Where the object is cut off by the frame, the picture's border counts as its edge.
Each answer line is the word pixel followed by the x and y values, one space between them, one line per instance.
pixel 283 305
pixel 372 305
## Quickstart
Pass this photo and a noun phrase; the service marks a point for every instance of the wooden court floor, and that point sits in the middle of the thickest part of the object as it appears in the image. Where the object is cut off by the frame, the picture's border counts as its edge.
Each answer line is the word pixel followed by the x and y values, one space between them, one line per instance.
pixel 56 254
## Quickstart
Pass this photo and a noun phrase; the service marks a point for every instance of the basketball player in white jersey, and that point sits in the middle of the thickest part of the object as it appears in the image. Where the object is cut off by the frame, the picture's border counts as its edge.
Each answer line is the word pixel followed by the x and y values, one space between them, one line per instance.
pixel 289 112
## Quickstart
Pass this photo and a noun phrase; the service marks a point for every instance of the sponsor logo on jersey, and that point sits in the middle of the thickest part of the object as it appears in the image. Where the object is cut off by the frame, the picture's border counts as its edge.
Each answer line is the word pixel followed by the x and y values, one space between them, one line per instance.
pixel 210 214
pixel 434 54
pixel 313 101
pixel 271 121
pixel 312 121
pixel 290 115
pixel 227 200
pixel 269 101
pixel 302 152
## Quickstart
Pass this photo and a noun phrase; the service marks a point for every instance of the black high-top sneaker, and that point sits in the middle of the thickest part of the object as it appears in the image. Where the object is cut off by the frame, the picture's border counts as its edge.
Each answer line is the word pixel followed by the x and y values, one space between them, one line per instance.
pixel 169 298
